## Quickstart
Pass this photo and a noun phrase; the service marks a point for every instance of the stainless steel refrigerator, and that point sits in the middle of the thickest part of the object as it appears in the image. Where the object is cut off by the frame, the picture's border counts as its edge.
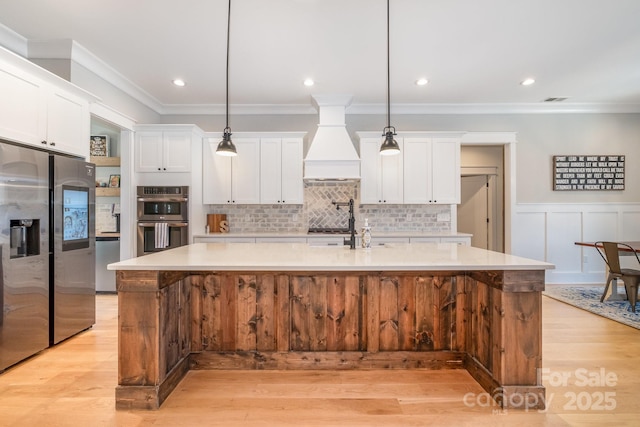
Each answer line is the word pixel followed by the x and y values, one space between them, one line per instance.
pixel 47 277
pixel 73 246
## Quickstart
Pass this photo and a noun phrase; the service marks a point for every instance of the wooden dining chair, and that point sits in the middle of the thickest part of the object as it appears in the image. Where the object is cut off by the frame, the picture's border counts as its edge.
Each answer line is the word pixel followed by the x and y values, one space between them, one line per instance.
pixel 609 251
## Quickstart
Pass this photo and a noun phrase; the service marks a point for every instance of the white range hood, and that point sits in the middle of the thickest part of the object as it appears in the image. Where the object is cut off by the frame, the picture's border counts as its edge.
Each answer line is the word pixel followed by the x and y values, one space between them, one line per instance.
pixel 332 155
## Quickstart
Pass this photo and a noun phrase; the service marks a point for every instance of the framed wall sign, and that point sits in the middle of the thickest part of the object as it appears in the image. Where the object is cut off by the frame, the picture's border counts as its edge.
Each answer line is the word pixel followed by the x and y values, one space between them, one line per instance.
pixel 582 173
pixel 99 145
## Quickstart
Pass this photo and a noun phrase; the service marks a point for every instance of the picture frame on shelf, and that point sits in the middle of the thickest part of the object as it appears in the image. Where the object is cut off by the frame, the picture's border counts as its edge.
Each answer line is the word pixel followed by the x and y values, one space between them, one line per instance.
pixel 114 181
pixel 99 146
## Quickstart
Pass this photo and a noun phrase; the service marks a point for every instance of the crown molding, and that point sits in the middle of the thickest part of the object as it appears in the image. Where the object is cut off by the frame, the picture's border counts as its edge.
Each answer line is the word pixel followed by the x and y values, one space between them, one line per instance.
pixel 70 49
pixel 239 109
pixel 13 41
pixel 504 108
pixel 74 51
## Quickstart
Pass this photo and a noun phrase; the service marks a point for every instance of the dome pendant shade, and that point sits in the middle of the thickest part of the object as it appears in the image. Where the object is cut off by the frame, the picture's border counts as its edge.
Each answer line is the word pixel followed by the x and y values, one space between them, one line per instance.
pixel 226 146
pixel 390 146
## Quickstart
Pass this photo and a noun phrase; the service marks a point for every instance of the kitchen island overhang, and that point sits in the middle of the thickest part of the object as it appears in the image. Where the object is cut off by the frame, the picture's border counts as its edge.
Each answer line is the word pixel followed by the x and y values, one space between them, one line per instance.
pixel 293 306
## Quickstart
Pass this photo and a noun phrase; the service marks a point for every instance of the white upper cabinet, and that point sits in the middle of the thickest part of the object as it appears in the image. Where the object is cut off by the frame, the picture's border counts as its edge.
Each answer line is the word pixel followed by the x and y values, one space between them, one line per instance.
pixel 68 123
pixel 231 180
pixel 281 171
pixel 40 109
pixel 431 170
pixel 381 178
pixel 163 151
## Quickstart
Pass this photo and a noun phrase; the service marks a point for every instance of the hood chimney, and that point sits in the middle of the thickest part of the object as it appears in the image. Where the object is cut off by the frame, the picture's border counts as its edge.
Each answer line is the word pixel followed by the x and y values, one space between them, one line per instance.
pixel 332 155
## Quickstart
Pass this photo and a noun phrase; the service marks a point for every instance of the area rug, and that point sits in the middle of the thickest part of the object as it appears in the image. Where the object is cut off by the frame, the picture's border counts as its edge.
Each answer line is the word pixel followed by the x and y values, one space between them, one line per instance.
pixel 588 298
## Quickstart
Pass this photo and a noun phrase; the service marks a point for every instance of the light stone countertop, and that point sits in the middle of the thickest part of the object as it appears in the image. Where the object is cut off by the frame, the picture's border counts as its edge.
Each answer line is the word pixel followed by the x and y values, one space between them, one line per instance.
pixel 303 257
pixel 305 234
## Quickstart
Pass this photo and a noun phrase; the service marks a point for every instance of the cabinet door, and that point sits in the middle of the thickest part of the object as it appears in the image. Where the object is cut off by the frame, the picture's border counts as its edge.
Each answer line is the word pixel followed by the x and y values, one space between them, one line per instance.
pixel 22 107
pixel 245 171
pixel 176 152
pixel 370 171
pixel 292 185
pixel 271 171
pixel 417 170
pixel 216 175
pixel 445 161
pixel 380 176
pixel 68 123
pixel 392 180
pixel 148 151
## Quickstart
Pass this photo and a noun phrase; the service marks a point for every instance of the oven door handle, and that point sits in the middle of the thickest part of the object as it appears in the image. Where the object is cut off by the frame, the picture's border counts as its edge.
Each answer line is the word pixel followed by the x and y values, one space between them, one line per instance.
pixel 170 224
pixel 162 199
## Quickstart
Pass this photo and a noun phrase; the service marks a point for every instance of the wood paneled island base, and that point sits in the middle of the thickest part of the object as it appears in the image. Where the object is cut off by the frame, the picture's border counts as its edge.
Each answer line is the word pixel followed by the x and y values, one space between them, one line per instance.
pixel 485 321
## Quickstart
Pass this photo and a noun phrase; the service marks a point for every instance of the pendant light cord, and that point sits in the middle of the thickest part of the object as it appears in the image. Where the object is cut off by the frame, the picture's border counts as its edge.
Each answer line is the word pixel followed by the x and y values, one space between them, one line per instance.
pixel 228 34
pixel 388 73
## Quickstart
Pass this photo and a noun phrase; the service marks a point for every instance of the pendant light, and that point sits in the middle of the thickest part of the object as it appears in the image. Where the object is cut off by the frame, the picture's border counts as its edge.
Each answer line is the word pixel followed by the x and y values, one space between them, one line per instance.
pixel 390 146
pixel 226 146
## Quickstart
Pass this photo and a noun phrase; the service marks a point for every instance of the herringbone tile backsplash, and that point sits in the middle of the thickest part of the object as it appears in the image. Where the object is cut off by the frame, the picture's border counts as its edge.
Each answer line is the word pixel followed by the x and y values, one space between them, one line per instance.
pixel 317 211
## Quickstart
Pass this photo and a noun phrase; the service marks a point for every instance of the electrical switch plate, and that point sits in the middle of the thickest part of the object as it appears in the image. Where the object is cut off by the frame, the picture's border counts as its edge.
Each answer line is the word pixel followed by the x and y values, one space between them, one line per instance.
pixel 443 217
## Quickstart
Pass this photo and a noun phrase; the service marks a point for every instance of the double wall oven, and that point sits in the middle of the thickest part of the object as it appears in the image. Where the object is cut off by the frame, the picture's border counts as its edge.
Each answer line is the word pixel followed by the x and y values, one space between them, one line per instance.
pixel 163 218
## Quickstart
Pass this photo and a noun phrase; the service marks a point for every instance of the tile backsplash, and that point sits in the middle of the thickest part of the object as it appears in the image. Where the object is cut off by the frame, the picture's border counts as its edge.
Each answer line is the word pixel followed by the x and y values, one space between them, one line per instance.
pixel 317 211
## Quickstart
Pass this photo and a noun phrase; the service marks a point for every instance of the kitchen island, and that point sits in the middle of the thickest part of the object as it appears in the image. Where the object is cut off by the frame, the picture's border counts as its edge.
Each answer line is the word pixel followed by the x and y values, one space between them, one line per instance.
pixel 295 306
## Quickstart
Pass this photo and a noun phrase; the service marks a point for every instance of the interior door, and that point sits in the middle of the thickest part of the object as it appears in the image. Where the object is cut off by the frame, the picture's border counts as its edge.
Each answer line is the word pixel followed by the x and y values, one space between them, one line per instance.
pixel 473 212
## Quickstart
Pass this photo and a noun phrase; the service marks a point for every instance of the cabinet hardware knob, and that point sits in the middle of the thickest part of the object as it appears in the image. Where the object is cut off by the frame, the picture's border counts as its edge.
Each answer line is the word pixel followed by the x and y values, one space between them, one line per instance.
pixel 53 143
pixel 44 142
pixel 159 169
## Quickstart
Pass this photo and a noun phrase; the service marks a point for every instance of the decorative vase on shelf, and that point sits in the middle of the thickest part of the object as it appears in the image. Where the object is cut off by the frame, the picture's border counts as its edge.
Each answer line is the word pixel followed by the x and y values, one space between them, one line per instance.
pixel 366 235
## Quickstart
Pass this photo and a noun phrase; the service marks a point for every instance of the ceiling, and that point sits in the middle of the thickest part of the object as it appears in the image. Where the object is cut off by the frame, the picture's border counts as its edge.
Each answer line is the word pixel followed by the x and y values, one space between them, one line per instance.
pixel 474 53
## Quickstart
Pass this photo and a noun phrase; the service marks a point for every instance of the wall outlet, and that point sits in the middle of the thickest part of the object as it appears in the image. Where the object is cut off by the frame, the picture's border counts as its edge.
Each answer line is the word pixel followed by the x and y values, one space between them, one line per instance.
pixel 294 218
pixel 409 216
pixel 443 217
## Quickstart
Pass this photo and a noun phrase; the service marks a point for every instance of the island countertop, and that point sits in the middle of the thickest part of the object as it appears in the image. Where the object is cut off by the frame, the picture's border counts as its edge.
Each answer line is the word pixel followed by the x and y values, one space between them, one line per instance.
pixel 303 257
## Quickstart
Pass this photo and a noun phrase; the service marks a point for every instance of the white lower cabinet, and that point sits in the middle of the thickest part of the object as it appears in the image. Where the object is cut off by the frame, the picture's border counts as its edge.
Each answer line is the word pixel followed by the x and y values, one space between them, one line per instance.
pixel 458 240
pixel 461 240
pixel 326 241
pixel 381 241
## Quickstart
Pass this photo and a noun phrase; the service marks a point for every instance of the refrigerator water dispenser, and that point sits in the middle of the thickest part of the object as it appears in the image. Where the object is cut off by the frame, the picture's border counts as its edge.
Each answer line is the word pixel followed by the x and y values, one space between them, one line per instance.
pixel 25 238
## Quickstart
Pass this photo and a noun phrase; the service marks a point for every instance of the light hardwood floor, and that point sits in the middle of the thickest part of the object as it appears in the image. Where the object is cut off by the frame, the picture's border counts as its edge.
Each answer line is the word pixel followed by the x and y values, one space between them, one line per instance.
pixel 73 385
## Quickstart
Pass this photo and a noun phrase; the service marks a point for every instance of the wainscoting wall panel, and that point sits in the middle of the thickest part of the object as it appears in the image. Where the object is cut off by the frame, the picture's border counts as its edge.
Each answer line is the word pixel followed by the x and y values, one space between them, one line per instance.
pixel 548 232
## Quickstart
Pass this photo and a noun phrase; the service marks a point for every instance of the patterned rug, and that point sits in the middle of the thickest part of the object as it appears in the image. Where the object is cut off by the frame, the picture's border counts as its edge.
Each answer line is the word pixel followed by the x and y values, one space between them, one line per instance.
pixel 588 298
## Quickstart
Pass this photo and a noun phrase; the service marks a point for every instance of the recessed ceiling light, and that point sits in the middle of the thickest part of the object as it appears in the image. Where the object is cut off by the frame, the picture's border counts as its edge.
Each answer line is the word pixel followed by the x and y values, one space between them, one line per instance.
pixel 528 82
pixel 422 81
pixel 179 82
pixel 308 82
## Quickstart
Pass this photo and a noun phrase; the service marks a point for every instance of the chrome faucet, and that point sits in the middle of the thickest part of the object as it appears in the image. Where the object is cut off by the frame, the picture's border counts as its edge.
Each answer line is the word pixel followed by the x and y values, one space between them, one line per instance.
pixel 351 241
